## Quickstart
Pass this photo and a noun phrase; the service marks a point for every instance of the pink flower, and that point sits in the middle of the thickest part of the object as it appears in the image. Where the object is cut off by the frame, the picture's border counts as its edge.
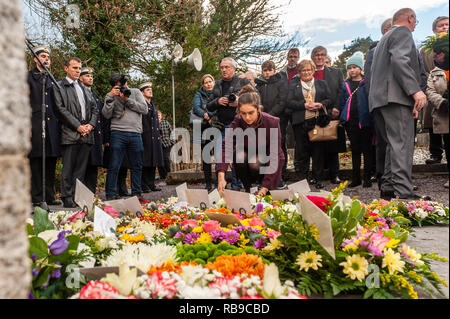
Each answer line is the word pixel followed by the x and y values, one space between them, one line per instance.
pixel 273 234
pixel 379 240
pixel 251 297
pixel 384 202
pixel 80 215
pixel 98 290
pixel 111 211
pixel 189 222
pixel 256 221
pixel 210 226
pixel 161 287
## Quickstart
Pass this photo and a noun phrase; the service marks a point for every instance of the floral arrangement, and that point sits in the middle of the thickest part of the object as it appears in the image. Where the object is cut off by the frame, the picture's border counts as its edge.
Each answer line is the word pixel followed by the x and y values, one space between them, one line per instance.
pixel 184 254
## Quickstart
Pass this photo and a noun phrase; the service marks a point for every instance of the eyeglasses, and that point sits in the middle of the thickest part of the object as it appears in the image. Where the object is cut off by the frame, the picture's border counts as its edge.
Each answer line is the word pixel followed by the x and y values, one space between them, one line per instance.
pixel 306 71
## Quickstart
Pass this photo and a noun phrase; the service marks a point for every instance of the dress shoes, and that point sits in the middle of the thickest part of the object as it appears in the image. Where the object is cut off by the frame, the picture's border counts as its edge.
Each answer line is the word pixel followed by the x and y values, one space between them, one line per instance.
pixel 69 203
pixel 415 197
pixel 367 183
pixel 387 195
pixel 354 183
pixel 433 160
pixel 54 202
pixel 318 185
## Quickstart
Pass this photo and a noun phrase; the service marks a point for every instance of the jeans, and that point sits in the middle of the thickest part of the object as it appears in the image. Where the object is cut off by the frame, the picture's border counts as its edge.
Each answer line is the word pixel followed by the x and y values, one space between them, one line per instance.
pixel 235 182
pixel 122 142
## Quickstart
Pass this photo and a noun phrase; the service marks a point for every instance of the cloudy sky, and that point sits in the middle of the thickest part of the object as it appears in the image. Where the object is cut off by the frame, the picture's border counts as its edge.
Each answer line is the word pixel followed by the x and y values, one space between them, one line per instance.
pixel 334 23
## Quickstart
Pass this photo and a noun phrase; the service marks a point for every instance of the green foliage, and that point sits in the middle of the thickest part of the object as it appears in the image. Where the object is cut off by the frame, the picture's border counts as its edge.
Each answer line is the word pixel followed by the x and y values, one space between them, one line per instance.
pixel 358 44
pixel 41 221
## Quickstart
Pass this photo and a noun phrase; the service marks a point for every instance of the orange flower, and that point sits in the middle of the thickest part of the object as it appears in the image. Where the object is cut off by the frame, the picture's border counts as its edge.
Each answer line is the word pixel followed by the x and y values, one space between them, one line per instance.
pixel 221 210
pixel 170 267
pixel 237 265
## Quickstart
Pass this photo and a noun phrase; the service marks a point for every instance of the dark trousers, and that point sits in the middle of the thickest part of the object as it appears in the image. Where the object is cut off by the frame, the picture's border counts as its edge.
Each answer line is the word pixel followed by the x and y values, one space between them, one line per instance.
pixel 122 181
pixel 206 166
pixel 131 143
pixel 284 122
pixel 74 159
pixel 148 178
pixel 361 142
pixel 446 138
pixel 435 144
pixel 90 178
pixel 165 168
pixel 36 179
pixel 332 163
pixel 304 149
pixel 248 173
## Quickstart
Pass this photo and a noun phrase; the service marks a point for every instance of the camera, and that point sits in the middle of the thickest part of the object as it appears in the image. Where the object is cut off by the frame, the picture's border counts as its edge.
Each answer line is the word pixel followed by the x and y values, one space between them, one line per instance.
pixel 124 90
pixel 231 98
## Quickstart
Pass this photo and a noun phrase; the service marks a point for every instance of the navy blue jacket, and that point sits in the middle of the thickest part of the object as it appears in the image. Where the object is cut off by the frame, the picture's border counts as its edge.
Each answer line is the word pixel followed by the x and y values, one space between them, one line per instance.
pixel 51 122
pixel 365 118
pixel 96 157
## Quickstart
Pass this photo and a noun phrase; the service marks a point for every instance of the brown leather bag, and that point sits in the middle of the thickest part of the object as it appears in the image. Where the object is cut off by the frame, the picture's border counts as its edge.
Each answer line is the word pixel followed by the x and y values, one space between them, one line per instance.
pixel 326 133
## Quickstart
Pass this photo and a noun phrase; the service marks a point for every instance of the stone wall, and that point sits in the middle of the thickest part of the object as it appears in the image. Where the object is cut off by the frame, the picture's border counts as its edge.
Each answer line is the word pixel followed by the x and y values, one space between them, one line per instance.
pixel 15 201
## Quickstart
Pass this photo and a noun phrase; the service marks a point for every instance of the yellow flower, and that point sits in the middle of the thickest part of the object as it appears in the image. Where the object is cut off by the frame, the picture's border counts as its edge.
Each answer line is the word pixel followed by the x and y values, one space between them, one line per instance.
pixel 393 261
pixel 413 255
pixel 133 239
pixel 314 231
pixel 355 267
pixel 204 238
pixel 198 229
pixel 392 243
pixel 244 222
pixel 309 259
pixel 273 245
pixel 350 248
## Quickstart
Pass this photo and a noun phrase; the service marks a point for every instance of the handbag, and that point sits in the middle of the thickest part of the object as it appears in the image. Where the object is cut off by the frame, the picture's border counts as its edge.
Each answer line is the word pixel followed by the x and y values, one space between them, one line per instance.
pixel 328 132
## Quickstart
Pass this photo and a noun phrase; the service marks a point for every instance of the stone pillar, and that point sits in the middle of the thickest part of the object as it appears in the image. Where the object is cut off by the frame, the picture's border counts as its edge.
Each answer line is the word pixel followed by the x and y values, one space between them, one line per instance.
pixel 15 200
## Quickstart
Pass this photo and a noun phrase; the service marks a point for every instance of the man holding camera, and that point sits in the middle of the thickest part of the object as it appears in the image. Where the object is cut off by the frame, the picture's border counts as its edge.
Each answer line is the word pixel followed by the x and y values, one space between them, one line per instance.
pixel 224 101
pixel 125 107
pixel 77 113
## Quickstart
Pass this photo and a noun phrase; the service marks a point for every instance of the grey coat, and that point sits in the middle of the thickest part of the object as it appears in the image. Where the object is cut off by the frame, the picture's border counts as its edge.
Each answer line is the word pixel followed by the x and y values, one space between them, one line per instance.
pixel 68 111
pixel 396 70
pixel 437 84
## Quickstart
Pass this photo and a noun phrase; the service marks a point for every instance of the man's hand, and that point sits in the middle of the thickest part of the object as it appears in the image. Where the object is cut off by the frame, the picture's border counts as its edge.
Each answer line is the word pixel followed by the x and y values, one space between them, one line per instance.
pixel 114 91
pixel 310 106
pixel 82 130
pixel 223 101
pixel 123 97
pixel 206 116
pixel 235 103
pixel 419 100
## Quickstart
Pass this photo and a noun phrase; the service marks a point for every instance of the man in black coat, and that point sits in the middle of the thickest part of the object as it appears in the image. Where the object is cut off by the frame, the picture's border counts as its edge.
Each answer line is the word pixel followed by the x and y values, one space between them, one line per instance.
pixel 273 89
pixel 151 138
pixel 52 149
pixel 96 157
pixel 77 113
pixel 335 81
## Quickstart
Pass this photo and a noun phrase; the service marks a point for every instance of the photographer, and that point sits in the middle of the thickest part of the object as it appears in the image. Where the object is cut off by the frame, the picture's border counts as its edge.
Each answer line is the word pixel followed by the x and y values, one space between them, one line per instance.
pixel 125 107
pixel 224 101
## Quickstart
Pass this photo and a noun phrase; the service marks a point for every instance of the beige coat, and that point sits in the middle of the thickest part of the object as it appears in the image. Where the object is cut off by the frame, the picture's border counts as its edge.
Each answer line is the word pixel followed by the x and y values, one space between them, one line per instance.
pixel 436 86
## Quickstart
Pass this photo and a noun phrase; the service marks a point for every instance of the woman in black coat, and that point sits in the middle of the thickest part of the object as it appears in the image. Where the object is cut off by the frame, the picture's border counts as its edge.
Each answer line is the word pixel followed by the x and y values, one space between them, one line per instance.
pixel 306 97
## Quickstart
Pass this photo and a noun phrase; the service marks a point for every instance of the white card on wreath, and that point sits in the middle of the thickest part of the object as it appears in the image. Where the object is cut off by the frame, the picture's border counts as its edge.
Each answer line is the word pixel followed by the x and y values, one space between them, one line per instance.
pixel 181 192
pixel 197 198
pixel 103 223
pixel 133 205
pixel 314 215
pixel 282 194
pixel 300 187
pixel 238 201
pixel 83 196
pixel 214 197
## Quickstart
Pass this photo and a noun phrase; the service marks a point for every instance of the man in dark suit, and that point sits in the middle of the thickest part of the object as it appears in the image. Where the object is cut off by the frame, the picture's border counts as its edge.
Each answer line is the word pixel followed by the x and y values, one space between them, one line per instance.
pixel 395 98
pixel 77 113
pixel 52 149
pixel 335 80
pixel 96 157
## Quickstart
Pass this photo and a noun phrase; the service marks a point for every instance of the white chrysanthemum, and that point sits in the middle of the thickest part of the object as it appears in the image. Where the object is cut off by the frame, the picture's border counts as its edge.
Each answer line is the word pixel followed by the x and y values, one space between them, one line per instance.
pixel 193 275
pixel 440 211
pixel 419 212
pixel 89 262
pixel 146 228
pixel 198 292
pixel 49 236
pixel 142 256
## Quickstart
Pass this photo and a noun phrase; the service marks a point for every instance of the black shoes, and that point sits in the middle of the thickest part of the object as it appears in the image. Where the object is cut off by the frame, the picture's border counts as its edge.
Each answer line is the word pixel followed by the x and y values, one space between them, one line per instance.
pixel 318 185
pixel 387 195
pixel 155 189
pixel 367 183
pixel 69 203
pixel 416 197
pixel 433 160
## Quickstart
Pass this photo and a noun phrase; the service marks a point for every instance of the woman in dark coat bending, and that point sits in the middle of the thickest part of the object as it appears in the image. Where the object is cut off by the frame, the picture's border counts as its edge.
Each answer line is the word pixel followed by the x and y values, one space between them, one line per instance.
pixel 253 145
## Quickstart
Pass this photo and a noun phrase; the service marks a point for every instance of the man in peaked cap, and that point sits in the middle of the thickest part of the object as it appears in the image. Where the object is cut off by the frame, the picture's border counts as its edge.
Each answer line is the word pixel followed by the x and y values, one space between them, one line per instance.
pixel 52 140
pixel 96 157
pixel 151 138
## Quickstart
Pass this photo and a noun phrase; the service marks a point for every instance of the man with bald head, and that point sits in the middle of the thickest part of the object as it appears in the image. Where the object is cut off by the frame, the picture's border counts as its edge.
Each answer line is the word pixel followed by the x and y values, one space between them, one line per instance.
pixel 395 98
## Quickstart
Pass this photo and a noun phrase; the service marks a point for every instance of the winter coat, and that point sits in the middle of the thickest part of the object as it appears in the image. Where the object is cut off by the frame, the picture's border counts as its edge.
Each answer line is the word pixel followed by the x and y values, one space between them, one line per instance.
pixel 273 94
pixel 96 158
pixel 365 118
pixel 296 101
pixel 437 85
pixel 68 111
pixel 51 122
pixel 151 138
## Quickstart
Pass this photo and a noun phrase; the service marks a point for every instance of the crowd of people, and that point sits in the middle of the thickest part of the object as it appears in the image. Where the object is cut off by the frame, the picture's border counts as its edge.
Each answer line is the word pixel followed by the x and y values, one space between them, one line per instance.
pixel 376 105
